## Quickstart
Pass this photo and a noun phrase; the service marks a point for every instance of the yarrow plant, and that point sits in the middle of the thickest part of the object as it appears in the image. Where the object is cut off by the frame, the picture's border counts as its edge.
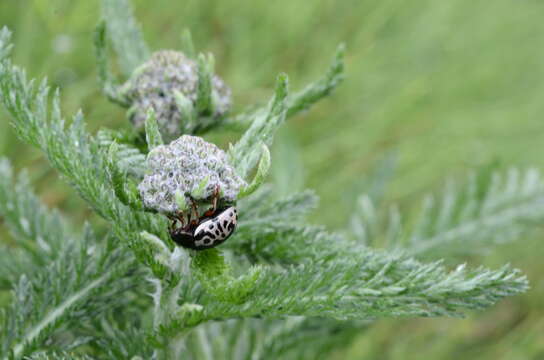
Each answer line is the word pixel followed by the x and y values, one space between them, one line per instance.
pixel 276 286
pixel 179 91
pixel 187 169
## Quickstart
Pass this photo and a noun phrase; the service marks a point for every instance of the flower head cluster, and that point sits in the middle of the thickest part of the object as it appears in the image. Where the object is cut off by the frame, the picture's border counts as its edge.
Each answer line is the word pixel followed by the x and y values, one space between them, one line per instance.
pixel 154 85
pixel 190 167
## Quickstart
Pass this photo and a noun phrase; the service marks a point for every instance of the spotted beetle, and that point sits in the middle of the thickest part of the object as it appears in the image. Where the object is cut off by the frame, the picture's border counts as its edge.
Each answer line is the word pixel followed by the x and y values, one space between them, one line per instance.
pixel 208 231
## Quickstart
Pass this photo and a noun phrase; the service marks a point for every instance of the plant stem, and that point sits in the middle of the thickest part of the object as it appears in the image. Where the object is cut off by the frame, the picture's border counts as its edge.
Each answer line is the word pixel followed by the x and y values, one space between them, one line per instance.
pixel 166 299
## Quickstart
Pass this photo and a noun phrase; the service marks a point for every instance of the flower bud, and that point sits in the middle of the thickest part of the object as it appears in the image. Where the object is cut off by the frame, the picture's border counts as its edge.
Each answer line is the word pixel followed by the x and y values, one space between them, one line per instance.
pixel 155 84
pixel 188 167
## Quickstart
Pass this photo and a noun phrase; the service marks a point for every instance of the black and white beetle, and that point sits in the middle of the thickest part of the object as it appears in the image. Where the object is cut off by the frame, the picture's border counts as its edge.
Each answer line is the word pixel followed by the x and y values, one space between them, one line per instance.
pixel 207 232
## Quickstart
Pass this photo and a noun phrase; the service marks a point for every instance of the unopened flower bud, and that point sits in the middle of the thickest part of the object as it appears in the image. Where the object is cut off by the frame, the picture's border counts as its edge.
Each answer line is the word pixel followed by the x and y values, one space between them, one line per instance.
pixel 155 84
pixel 187 169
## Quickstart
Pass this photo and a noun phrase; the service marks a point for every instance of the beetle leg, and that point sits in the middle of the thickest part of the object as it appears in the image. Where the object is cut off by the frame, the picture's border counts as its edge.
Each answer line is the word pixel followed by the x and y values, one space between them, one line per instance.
pixel 181 220
pixel 194 213
pixel 215 198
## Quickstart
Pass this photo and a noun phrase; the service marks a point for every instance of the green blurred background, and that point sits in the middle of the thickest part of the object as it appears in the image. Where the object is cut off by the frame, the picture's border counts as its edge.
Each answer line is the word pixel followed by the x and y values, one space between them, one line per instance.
pixel 436 87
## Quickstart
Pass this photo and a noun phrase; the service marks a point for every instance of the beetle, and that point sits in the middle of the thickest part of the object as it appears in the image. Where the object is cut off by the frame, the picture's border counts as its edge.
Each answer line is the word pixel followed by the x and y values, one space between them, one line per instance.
pixel 214 227
pixel 208 231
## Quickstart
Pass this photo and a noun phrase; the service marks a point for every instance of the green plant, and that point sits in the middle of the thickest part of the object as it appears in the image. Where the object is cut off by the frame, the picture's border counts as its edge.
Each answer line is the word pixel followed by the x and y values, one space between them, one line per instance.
pixel 278 284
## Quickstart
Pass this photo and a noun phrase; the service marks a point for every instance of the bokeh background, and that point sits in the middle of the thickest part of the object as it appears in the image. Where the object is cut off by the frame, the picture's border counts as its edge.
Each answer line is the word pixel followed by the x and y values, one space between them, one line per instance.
pixel 434 89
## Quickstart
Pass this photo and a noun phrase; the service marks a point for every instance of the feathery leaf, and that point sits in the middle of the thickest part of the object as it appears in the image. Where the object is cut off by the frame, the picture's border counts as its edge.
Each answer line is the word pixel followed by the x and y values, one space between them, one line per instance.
pixel 125 34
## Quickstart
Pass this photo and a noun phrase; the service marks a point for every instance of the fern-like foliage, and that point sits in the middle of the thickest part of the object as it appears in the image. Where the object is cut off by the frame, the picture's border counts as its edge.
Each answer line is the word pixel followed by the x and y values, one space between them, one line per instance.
pixel 114 340
pixel 245 152
pixel 125 34
pixel 36 228
pixel 291 338
pixel 279 288
pixel 39 232
pixel 14 263
pixel 58 355
pixel 304 99
pixel 487 209
pixel 62 279
pixel 129 158
pixel 74 153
